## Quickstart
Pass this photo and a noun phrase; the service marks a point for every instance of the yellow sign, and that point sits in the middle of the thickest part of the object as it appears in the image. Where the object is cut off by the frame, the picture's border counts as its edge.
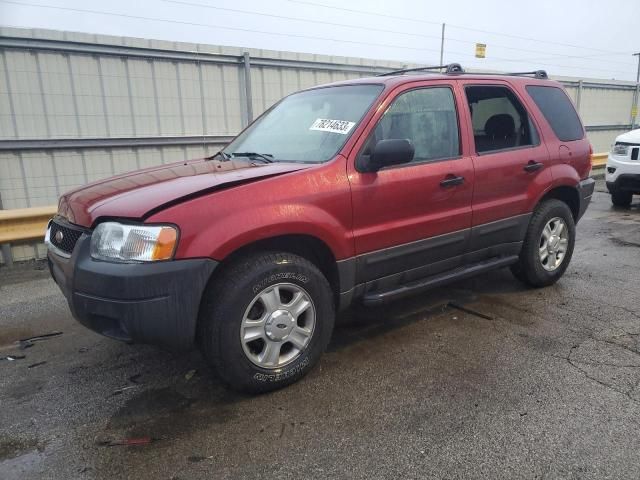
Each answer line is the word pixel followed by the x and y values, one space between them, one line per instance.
pixel 634 111
pixel 481 48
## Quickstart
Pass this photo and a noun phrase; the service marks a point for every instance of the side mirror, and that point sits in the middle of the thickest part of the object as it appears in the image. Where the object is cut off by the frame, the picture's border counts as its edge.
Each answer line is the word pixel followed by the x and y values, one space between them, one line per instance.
pixel 394 151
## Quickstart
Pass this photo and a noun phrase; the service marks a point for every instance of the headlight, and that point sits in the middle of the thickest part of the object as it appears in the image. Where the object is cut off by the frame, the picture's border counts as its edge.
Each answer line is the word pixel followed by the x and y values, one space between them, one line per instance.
pixel 620 149
pixel 117 242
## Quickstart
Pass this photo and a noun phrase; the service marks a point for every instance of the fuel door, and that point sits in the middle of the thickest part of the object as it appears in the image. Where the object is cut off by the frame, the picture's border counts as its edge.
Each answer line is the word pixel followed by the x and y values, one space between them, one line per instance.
pixel 565 154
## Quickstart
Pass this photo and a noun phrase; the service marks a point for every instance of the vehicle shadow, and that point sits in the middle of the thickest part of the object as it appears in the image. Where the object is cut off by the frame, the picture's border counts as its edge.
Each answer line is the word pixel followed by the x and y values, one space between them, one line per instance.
pixel 634 207
pixel 167 396
pixel 178 398
pixel 624 225
pixel 360 323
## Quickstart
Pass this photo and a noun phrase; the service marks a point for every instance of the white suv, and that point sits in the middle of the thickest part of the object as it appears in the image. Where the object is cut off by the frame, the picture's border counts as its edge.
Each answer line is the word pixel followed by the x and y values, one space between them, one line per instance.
pixel 623 168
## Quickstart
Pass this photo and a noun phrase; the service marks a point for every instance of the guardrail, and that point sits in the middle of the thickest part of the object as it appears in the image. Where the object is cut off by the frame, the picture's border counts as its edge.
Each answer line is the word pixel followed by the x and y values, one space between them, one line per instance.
pixel 22 224
pixel 599 160
pixel 30 223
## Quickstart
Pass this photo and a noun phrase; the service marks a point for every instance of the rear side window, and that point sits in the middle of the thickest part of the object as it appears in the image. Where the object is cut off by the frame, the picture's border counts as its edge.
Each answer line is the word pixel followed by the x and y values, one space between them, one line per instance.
pixel 500 121
pixel 559 112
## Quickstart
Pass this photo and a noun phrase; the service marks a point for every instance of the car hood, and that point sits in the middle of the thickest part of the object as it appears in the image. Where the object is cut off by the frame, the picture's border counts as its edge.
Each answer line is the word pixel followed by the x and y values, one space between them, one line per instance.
pixel 136 194
pixel 630 137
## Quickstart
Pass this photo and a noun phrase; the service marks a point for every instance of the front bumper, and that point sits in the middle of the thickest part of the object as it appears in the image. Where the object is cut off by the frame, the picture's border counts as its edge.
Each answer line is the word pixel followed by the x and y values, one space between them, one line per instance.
pixel 620 165
pixel 625 182
pixel 585 191
pixel 154 303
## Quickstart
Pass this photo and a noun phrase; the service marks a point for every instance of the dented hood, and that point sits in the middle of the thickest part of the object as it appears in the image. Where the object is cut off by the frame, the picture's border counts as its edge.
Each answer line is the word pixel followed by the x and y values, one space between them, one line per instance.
pixel 135 194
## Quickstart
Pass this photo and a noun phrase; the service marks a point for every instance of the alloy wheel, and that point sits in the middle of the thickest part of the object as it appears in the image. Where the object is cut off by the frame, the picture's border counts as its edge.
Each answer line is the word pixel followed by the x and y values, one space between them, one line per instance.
pixel 277 325
pixel 554 242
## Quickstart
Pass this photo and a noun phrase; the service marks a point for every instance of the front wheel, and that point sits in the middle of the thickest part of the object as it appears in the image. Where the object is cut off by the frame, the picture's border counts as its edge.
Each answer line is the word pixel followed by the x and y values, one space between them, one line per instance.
pixel 265 321
pixel 548 245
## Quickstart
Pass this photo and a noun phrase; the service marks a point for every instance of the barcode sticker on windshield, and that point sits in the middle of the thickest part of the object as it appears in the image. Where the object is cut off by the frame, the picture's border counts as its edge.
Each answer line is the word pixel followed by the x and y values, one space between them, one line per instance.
pixel 334 126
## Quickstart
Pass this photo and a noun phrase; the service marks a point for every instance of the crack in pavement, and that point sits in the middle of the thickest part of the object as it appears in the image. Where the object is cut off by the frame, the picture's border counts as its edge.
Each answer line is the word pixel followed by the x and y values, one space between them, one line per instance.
pixel 576 364
pixel 624 309
pixel 594 331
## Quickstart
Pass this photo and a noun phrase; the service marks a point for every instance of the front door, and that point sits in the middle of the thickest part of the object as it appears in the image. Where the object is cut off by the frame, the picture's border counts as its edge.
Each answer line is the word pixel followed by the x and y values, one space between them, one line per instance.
pixel 413 220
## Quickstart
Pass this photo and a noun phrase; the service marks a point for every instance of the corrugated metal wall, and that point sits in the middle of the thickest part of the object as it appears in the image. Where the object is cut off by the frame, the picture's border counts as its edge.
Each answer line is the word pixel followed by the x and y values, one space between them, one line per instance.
pixel 605 109
pixel 58 87
pixel 77 107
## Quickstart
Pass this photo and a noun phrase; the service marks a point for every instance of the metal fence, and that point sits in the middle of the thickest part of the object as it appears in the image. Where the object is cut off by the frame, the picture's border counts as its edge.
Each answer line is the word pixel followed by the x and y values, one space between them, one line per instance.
pixel 77 107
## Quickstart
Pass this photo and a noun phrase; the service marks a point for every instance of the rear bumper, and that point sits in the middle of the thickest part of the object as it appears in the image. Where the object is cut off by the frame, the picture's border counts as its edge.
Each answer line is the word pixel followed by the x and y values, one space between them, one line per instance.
pixel 153 303
pixel 585 191
pixel 626 182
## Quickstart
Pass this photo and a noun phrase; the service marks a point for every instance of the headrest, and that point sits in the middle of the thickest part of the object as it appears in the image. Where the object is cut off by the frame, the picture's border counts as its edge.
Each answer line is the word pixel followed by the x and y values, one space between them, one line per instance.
pixel 500 126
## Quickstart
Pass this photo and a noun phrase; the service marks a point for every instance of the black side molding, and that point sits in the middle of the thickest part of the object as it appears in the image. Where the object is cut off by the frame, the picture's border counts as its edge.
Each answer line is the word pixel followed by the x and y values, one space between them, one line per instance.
pixel 585 191
pixel 378 298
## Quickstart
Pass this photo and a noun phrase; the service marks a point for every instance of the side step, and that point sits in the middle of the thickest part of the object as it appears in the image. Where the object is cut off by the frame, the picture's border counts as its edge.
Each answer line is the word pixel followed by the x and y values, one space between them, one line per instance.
pixel 378 298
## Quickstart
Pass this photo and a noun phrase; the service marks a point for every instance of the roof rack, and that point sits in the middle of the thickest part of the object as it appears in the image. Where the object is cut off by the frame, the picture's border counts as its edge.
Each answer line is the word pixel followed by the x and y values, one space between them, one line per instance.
pixel 456 69
pixel 536 73
pixel 450 68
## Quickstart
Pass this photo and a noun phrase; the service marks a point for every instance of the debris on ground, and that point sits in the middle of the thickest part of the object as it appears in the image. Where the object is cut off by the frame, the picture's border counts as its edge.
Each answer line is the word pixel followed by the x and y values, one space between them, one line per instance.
pixel 198 458
pixel 120 391
pixel 470 311
pixel 11 358
pixel 135 378
pixel 125 442
pixel 25 343
pixel 44 336
pixel 189 375
pixel 37 364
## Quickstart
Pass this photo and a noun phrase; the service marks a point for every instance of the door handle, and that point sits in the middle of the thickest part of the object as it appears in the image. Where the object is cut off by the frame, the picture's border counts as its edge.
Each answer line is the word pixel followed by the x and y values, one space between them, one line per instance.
pixel 533 166
pixel 451 181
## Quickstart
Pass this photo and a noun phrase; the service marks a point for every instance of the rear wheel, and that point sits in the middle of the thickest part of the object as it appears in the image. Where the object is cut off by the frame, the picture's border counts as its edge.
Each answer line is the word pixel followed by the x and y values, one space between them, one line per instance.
pixel 265 321
pixel 621 199
pixel 548 245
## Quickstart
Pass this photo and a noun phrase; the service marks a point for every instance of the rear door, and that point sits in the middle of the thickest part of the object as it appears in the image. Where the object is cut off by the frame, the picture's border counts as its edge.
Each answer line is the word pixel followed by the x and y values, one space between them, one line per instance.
pixel 413 220
pixel 511 167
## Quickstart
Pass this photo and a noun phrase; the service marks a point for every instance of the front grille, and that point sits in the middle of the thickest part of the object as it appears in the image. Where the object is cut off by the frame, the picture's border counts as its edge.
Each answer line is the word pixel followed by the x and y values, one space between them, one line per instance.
pixel 63 237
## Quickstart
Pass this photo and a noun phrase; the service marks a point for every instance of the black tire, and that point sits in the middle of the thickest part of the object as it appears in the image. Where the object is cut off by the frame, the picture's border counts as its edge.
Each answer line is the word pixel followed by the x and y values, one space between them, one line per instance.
pixel 621 199
pixel 529 268
pixel 224 304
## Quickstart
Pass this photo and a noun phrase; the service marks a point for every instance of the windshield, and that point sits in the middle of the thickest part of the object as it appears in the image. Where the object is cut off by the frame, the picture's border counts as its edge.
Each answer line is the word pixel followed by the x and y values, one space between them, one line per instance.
pixel 309 126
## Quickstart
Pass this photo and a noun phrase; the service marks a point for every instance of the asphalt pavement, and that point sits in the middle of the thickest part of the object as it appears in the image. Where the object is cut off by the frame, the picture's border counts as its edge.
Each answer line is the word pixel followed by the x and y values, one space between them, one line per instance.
pixel 483 379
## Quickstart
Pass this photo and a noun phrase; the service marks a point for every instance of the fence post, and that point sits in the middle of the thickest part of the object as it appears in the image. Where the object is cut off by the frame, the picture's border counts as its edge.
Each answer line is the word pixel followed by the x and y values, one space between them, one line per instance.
pixel 5 247
pixel 246 60
pixel 579 95
pixel 634 106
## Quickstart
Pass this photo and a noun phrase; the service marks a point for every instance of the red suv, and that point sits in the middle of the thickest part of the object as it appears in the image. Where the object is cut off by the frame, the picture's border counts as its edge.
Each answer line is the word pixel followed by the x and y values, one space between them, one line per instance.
pixel 364 191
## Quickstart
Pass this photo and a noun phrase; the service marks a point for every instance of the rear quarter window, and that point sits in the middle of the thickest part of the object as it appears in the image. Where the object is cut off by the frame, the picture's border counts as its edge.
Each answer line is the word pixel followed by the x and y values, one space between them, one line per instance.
pixel 558 111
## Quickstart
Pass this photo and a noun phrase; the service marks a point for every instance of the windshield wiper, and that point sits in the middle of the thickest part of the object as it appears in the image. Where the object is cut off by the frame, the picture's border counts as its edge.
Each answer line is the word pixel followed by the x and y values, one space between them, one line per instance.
pixel 253 155
pixel 221 154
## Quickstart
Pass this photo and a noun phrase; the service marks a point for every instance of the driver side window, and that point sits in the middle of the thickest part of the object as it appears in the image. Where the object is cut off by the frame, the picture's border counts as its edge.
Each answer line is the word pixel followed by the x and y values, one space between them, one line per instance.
pixel 427 117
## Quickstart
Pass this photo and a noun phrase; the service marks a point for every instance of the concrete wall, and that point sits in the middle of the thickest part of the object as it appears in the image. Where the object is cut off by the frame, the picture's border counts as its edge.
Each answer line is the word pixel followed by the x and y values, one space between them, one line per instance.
pixel 78 107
